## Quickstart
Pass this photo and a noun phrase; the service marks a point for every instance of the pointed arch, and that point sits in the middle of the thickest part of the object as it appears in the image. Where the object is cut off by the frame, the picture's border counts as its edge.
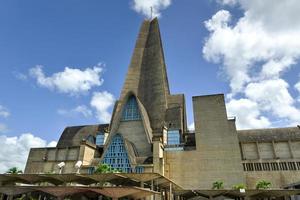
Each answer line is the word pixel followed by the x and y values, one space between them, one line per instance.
pixel 131 110
pixel 116 154
pixel 91 139
pixel 117 115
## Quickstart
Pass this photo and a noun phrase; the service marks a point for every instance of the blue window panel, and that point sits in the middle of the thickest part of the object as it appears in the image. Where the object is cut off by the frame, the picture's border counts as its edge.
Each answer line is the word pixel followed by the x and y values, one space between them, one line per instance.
pixel 100 139
pixel 139 169
pixel 91 139
pixel 131 110
pixel 173 137
pixel 116 155
pixel 176 148
pixel 91 170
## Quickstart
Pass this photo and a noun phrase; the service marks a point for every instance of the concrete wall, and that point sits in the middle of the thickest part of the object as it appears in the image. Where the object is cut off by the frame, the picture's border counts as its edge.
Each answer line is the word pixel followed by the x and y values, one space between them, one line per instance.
pixel 134 132
pixel 45 160
pixel 270 150
pixel 217 155
pixel 184 168
pixel 274 161
pixel 278 179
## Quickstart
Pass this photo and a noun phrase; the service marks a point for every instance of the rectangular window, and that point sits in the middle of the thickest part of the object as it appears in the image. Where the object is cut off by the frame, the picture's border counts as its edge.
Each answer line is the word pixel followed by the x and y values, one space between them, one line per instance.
pixel 173 137
pixel 91 170
pixel 139 169
pixel 100 139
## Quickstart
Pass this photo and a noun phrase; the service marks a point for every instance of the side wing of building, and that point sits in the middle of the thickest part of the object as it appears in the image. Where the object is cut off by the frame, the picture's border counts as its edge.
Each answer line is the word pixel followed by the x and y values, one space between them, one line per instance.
pixel 76 143
pixel 271 154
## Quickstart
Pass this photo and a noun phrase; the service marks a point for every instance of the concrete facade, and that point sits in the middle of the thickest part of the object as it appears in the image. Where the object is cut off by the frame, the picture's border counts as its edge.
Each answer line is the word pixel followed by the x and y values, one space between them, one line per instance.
pixel 45 160
pixel 215 151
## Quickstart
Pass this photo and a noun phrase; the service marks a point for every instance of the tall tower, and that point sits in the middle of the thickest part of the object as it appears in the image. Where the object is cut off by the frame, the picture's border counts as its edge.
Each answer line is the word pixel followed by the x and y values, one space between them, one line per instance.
pixel 145 105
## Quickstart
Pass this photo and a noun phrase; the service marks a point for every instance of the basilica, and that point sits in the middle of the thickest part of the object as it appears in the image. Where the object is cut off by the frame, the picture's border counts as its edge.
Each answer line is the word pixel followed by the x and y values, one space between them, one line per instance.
pixel 148 134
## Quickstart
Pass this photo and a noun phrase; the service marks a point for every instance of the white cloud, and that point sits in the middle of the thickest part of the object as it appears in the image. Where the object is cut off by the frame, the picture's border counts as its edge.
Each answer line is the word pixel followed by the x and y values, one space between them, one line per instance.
pixel 227 2
pixel 191 126
pixel 72 81
pixel 270 15
pixel 20 76
pixel 297 87
pixel 3 128
pixel 247 114
pixel 144 7
pixel 52 144
pixel 81 109
pixel 274 68
pixel 273 96
pixel 18 148
pixel 255 52
pixel 102 101
pixel 4 112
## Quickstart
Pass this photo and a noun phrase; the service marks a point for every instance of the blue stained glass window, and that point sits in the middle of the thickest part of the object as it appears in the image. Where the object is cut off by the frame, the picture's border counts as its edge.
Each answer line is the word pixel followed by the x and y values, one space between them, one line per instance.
pixel 91 170
pixel 100 139
pixel 131 110
pixel 116 155
pixel 139 169
pixel 173 137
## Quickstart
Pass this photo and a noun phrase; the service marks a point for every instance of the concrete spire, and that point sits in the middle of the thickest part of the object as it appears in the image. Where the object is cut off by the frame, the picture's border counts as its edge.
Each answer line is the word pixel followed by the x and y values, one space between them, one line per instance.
pixel 147 76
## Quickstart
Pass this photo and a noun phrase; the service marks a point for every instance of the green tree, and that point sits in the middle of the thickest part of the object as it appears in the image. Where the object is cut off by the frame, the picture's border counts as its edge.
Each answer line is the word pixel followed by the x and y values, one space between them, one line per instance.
pixel 239 186
pixel 218 185
pixel 263 184
pixel 14 170
pixel 105 168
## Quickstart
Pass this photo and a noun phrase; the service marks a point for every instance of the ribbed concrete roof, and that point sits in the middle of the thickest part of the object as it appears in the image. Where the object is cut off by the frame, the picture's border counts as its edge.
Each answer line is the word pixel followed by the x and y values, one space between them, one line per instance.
pixel 73 135
pixel 270 134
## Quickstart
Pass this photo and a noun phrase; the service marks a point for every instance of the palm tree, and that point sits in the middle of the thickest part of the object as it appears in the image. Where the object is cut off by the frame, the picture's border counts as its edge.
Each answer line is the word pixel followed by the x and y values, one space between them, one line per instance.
pixel 218 185
pixel 14 170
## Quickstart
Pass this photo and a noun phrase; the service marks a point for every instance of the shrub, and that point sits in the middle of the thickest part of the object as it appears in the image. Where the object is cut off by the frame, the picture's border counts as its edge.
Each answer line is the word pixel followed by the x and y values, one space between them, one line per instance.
pixel 105 168
pixel 239 186
pixel 263 184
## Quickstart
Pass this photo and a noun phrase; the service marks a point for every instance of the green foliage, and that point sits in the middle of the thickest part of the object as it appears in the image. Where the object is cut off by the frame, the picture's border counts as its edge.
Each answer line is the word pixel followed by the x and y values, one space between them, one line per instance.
pixel 26 197
pixel 239 186
pixel 218 185
pixel 263 184
pixel 14 170
pixel 22 197
pixel 50 172
pixel 104 168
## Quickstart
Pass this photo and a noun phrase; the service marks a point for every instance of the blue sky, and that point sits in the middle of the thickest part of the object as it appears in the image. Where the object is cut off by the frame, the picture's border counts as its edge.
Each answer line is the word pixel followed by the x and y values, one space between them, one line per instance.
pixel 222 46
pixel 77 34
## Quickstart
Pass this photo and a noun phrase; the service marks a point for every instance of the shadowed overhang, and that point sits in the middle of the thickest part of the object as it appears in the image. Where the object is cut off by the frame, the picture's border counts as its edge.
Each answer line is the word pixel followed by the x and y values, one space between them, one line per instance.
pixel 123 185
pixel 231 193
pixel 118 179
pixel 62 191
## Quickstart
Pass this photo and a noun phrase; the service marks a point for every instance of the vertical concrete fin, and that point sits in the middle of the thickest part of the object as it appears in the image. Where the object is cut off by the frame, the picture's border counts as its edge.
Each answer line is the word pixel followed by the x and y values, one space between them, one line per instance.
pixel 217 142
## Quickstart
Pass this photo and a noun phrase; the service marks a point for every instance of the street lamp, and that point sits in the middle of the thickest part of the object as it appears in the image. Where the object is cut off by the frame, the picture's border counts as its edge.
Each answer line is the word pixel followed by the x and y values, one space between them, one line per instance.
pixel 61 166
